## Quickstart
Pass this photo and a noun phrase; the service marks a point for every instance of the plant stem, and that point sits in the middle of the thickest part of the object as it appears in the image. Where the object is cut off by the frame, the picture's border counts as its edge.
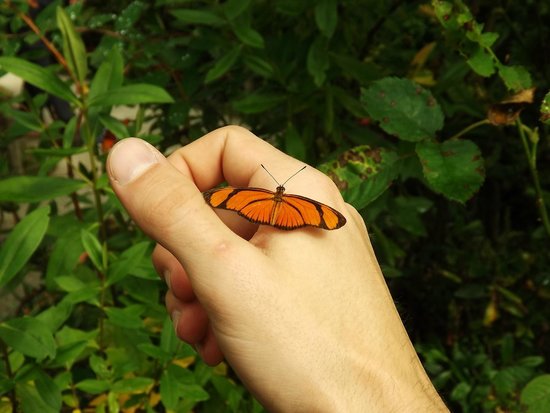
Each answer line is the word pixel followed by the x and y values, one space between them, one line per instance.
pixel 90 144
pixel 9 372
pixel 531 154
pixel 469 128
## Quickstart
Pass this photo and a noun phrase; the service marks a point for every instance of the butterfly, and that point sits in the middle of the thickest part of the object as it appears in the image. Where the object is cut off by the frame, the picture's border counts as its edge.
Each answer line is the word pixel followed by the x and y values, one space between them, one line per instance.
pixel 280 210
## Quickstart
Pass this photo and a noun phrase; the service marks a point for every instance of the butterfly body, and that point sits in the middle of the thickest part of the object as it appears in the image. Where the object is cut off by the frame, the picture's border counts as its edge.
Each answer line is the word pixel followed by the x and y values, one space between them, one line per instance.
pixel 280 210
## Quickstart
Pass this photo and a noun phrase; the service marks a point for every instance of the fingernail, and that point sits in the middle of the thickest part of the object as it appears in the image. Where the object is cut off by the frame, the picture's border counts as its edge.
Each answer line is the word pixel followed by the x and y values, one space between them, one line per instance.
pixel 175 318
pixel 129 158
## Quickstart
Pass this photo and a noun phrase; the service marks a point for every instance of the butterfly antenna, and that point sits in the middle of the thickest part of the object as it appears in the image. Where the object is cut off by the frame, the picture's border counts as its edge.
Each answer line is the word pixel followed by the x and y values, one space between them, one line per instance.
pixel 292 176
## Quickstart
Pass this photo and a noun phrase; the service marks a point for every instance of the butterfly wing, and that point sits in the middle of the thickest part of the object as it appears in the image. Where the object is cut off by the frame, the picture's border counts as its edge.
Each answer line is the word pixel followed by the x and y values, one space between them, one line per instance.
pixel 313 213
pixel 286 212
pixel 254 204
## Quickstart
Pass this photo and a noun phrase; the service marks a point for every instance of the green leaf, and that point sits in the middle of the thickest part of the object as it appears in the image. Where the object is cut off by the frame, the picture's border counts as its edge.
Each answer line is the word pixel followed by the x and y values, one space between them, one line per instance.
pixel 453 168
pixel 48 391
pixel 536 394
pixel 223 65
pixel 54 317
pixel 134 384
pixel 194 392
pixel 109 75
pixel 168 339
pixel 294 145
pixel 73 46
pixel 482 63
pixel 131 95
pixel 58 152
pixel 248 35
pixel 363 173
pixel 37 188
pixel 115 126
pixel 93 386
pixel 65 253
pixel 69 354
pixel 317 60
pixel 31 400
pixel 28 336
pixel 22 242
pixel 169 393
pixel 27 120
pixel 507 380
pixel 545 109
pixel 326 16
pixel 258 102
pixel 93 248
pixel 488 39
pixel 125 317
pixel 198 17
pixel 234 8
pixel 515 77
pixel 127 263
pixel 38 76
pixel 403 108
pixel 258 65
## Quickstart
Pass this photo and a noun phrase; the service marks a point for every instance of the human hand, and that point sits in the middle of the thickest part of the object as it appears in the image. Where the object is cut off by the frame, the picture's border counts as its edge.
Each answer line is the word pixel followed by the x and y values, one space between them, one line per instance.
pixel 304 317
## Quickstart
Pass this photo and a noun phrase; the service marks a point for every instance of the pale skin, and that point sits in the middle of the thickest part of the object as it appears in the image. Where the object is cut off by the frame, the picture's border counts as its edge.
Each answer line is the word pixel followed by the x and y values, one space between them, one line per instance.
pixel 304 317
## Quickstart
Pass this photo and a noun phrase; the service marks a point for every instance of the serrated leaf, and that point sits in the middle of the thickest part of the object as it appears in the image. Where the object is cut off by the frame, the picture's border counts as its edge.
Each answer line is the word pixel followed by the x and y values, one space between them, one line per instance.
pixel 28 336
pixel 326 16
pixel 37 188
pixel 453 168
pixel 488 39
pixel 223 65
pixel 22 242
pixel 131 95
pixel 38 76
pixel 73 46
pixel 536 394
pixel 403 108
pixel 482 63
pixel 198 17
pixel 515 77
pixel 363 173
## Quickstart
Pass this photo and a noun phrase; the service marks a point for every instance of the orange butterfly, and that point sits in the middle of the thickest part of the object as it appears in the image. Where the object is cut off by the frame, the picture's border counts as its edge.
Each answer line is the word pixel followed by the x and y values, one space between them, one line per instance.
pixel 277 209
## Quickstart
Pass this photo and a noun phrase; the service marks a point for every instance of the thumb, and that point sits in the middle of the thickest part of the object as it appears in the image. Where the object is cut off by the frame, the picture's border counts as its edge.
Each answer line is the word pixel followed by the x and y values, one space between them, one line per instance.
pixel 168 207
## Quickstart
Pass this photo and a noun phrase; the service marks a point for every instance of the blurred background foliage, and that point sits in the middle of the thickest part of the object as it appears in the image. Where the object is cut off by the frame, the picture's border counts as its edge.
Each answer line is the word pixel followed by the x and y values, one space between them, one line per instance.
pixel 431 117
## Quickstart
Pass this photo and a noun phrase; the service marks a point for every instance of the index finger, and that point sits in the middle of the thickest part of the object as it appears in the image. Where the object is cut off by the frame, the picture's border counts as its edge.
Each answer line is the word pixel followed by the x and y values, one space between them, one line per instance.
pixel 234 154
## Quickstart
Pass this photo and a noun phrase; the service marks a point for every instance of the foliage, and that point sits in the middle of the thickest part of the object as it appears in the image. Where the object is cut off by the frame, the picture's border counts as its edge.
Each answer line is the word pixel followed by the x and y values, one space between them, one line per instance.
pixel 389 98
